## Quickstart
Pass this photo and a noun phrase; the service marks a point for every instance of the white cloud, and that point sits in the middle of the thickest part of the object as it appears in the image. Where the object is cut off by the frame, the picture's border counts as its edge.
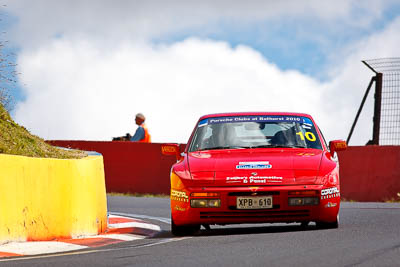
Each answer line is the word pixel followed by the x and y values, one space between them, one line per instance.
pixel 110 21
pixel 77 92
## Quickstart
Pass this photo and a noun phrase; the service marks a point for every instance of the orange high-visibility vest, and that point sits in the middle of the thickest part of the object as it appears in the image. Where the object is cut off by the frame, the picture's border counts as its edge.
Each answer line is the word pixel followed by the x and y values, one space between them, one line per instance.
pixel 147 137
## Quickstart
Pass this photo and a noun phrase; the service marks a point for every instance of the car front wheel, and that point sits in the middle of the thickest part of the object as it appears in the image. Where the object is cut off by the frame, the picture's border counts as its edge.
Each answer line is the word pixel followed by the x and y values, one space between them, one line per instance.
pixel 328 225
pixel 183 229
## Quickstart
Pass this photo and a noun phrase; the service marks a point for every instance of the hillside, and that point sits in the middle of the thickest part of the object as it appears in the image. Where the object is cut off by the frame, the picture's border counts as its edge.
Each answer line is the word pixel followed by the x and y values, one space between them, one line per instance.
pixel 16 140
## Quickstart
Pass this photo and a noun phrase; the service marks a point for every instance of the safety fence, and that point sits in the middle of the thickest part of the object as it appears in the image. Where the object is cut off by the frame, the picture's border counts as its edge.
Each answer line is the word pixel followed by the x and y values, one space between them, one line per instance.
pixel 390 112
pixel 386 120
pixel 389 68
pixel 367 173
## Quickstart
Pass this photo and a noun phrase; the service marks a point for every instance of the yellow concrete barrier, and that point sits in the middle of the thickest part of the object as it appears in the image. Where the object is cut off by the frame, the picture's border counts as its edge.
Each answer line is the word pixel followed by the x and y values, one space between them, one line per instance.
pixel 45 199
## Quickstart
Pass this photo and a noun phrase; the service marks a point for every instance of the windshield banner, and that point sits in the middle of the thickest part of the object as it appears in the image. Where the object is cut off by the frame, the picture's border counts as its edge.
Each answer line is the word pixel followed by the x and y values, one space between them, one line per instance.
pixel 258 119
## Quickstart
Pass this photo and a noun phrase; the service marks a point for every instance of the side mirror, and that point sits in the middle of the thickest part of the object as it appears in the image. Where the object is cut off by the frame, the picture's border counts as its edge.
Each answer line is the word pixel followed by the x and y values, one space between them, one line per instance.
pixel 337 145
pixel 171 150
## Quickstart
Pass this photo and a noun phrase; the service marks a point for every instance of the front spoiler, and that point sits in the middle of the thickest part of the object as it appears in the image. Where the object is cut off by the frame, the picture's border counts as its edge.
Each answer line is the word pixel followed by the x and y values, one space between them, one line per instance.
pixel 281 212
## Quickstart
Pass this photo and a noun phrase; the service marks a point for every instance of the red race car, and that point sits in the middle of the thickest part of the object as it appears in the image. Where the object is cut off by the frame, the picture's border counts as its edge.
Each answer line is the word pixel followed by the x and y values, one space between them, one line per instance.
pixel 254 168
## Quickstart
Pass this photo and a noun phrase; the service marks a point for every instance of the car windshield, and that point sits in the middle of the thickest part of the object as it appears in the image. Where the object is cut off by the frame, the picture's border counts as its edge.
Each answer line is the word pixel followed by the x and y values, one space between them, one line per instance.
pixel 240 132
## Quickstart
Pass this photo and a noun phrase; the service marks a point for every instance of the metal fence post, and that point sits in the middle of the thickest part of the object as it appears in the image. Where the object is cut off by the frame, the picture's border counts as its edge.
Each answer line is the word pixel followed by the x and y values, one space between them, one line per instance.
pixel 386 120
pixel 360 108
pixel 377 109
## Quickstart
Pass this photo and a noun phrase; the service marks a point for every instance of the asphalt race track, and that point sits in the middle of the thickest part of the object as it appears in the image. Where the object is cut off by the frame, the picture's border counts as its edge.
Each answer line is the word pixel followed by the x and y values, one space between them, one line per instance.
pixel 369 235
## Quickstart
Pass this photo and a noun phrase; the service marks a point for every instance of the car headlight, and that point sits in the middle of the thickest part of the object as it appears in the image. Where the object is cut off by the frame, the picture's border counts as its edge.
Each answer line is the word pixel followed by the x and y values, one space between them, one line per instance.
pixel 205 203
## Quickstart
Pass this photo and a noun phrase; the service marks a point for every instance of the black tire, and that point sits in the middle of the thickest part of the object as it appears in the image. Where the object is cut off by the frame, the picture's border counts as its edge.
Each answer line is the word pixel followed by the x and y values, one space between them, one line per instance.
pixel 328 225
pixel 183 230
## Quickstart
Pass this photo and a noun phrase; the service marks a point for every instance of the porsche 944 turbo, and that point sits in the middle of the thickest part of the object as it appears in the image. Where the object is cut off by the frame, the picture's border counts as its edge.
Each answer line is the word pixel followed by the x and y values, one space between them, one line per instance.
pixel 254 168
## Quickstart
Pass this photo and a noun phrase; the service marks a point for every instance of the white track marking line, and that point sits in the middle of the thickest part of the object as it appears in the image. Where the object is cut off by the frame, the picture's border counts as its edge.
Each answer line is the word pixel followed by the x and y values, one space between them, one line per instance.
pixel 49 256
pixel 135 224
pixel 161 219
pixel 138 223
pixel 97 250
pixel 165 241
pixel 124 237
pixel 39 247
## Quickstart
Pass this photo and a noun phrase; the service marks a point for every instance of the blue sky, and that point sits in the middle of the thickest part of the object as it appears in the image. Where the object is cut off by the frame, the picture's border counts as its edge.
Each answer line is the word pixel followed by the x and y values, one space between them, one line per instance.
pixel 189 51
pixel 291 43
pixel 10 49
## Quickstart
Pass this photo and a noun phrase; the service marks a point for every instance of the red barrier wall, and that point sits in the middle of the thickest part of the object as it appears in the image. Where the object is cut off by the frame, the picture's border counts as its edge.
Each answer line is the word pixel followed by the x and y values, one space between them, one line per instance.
pixel 130 167
pixel 370 173
pixel 367 173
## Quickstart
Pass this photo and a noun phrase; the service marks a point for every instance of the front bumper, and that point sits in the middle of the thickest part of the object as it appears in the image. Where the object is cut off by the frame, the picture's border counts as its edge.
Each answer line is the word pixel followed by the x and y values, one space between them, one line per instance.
pixel 183 214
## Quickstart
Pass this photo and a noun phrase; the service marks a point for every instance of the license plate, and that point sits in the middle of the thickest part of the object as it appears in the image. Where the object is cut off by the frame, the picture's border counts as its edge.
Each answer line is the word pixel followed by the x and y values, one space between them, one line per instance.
pixel 254 202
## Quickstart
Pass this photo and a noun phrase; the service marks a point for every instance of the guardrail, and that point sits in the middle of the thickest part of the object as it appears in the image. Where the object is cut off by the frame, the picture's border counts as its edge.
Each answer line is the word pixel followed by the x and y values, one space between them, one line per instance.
pixel 367 173
pixel 130 167
pixel 370 173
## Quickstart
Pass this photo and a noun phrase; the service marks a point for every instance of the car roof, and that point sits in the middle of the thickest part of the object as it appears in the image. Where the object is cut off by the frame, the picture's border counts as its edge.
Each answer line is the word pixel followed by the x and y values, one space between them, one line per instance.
pixel 230 114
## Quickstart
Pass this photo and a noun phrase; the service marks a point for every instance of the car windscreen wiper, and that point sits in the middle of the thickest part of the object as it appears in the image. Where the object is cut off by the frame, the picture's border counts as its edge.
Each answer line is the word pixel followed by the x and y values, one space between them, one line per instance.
pixel 222 147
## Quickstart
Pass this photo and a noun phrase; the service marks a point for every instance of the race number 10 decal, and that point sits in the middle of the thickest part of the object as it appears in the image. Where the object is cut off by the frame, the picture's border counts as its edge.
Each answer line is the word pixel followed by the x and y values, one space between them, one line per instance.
pixel 309 135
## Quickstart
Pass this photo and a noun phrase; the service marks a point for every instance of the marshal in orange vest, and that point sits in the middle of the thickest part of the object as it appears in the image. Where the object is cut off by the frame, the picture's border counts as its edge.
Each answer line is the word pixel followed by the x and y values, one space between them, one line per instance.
pixel 147 137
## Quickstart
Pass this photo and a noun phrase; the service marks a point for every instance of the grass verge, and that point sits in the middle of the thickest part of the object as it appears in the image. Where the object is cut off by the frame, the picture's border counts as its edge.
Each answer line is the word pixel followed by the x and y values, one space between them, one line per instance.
pixel 16 140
